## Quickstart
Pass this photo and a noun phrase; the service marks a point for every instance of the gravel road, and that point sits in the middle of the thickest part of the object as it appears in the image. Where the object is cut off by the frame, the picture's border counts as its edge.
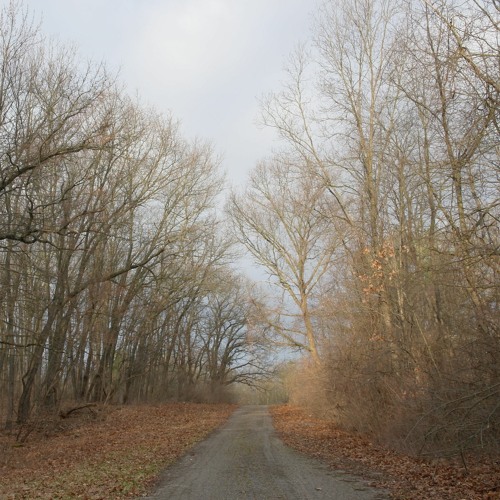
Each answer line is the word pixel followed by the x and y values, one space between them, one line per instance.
pixel 245 459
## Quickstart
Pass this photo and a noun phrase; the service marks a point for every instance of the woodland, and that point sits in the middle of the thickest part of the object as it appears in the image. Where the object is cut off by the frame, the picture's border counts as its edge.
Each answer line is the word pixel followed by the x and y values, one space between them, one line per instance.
pixel 376 220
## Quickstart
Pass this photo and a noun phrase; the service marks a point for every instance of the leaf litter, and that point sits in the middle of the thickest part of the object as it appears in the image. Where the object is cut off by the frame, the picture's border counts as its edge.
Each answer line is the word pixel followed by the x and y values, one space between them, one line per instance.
pixel 405 477
pixel 109 452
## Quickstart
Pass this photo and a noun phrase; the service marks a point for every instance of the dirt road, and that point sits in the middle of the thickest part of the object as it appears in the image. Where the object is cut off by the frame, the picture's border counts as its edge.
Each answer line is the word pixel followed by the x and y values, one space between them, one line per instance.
pixel 246 460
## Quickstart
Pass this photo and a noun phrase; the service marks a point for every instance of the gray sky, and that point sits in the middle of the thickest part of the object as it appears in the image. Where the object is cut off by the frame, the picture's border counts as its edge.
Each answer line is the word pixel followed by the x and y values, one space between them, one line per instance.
pixel 208 61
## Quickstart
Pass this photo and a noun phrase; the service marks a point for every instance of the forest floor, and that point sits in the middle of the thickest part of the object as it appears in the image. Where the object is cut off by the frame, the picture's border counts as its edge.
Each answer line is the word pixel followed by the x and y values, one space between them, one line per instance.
pixel 404 477
pixel 101 452
pixel 118 452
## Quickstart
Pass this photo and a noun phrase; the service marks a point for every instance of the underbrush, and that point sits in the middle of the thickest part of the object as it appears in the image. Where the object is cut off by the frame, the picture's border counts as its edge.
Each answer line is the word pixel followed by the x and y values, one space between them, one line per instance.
pixel 436 418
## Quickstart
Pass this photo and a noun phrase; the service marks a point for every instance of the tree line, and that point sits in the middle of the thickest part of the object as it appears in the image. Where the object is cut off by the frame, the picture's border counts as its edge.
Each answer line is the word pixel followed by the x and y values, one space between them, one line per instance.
pixel 377 218
pixel 115 276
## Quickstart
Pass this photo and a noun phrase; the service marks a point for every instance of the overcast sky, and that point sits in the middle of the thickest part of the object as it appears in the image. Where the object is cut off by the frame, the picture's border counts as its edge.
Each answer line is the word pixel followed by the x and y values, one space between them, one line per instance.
pixel 207 61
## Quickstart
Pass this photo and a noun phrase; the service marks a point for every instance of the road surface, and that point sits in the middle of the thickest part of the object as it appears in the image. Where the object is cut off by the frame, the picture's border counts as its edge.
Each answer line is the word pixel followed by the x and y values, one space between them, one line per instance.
pixel 245 459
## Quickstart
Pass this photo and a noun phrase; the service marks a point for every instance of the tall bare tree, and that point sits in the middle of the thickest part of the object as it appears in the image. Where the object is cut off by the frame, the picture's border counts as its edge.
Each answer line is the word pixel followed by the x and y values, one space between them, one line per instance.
pixel 282 220
pixel 395 109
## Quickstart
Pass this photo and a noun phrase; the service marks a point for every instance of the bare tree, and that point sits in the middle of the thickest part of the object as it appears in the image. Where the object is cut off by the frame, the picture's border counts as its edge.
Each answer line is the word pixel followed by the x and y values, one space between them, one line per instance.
pixel 102 201
pixel 394 109
pixel 235 352
pixel 50 111
pixel 281 219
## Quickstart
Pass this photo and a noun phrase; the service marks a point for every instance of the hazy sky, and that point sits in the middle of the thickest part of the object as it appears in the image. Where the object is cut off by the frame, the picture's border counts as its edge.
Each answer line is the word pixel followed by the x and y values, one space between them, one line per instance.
pixel 208 61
